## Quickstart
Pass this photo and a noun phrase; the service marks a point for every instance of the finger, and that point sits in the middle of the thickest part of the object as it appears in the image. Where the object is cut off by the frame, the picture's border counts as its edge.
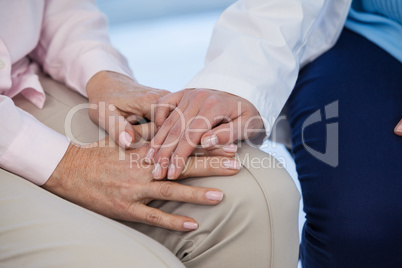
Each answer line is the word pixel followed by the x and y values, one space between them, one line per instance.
pixel 161 135
pixel 173 191
pixel 398 129
pixel 189 141
pixel 156 217
pixel 223 134
pixel 228 150
pixel 144 132
pixel 210 166
pixel 174 136
pixel 149 102
pixel 119 129
pixel 165 106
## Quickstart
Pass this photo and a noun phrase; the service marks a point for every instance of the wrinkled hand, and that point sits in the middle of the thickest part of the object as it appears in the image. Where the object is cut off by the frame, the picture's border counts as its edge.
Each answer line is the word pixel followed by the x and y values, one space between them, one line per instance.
pixel 119 102
pixel 188 117
pixel 398 129
pixel 95 178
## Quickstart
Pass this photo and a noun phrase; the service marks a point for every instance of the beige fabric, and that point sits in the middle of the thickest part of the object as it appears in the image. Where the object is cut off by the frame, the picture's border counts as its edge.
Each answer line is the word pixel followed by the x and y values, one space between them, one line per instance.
pixel 38 229
pixel 254 226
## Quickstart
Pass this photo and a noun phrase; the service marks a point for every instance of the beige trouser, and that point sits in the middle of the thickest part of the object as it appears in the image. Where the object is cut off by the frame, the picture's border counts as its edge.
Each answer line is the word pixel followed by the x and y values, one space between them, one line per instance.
pixel 254 226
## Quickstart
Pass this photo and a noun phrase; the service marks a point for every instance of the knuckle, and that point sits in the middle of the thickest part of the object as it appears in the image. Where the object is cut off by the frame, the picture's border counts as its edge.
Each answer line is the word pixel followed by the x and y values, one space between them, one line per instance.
pixel 163 92
pixel 121 206
pixel 178 111
pixel 211 102
pixel 166 190
pixel 160 118
pixel 188 168
pixel 201 94
pixel 192 137
pixel 169 122
pixel 151 97
pixel 160 114
pixel 153 217
pixel 176 131
pixel 159 108
pixel 162 100
pixel 194 194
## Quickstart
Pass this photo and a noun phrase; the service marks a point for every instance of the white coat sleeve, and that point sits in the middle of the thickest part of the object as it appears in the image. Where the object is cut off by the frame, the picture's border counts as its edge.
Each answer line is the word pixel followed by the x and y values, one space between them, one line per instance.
pixel 258 46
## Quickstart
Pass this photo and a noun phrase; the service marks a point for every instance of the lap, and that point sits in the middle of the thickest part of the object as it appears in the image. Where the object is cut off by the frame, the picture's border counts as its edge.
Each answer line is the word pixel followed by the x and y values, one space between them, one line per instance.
pixel 352 183
pixel 255 225
pixel 39 229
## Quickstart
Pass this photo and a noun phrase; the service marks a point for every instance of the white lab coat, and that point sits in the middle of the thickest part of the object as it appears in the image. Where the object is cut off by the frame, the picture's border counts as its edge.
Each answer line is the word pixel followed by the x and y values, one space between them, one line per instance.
pixel 258 47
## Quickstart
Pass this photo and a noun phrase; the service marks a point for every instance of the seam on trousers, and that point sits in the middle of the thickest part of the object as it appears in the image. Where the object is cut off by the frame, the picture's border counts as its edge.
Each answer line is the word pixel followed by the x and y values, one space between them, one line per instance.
pixel 269 215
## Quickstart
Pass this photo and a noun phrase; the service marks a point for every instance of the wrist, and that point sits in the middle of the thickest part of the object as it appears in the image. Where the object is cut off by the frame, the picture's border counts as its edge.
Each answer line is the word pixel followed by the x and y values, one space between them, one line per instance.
pixel 64 170
pixel 105 78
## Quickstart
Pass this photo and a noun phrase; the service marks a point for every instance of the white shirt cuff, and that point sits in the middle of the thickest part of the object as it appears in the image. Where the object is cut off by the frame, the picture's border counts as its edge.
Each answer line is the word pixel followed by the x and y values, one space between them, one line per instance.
pixel 35 152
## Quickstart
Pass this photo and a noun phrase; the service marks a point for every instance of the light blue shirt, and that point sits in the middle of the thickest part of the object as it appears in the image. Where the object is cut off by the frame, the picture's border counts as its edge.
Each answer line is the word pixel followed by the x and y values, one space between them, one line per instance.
pixel 380 21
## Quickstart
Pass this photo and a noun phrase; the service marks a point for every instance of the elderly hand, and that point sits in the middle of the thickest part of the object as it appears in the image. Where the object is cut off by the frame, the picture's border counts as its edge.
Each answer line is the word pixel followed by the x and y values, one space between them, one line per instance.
pixel 96 179
pixel 188 117
pixel 120 102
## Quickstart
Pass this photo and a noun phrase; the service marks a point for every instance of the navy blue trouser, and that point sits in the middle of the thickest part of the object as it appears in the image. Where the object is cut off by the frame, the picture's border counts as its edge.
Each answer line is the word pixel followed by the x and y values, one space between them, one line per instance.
pixel 352 188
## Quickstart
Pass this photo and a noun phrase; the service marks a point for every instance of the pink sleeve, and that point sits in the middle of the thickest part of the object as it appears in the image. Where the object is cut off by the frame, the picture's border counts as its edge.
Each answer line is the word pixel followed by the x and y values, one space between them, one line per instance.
pixel 27 147
pixel 74 43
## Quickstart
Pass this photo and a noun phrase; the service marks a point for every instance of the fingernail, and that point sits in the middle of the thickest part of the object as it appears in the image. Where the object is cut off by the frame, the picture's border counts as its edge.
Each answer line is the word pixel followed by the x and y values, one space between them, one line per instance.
pixel 125 139
pixel 150 154
pixel 231 148
pixel 214 195
pixel 209 141
pixel 171 172
pixel 398 128
pixel 157 171
pixel 190 225
pixel 232 164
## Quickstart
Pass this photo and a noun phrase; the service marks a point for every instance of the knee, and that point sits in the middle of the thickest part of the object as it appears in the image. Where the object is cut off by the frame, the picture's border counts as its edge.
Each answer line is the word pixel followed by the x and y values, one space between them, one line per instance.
pixel 273 192
pixel 260 210
pixel 270 180
pixel 263 188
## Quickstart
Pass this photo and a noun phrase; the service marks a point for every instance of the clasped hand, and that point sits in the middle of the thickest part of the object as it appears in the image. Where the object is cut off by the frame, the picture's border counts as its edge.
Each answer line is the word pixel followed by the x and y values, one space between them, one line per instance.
pixel 97 177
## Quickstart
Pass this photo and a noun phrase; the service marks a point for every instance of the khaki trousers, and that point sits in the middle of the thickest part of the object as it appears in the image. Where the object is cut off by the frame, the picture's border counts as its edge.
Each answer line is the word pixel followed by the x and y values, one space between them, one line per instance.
pixel 254 226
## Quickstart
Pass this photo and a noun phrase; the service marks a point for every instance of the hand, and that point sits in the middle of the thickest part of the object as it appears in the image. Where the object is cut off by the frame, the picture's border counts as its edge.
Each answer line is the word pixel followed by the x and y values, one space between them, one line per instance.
pixel 120 102
pixel 96 179
pixel 398 129
pixel 191 116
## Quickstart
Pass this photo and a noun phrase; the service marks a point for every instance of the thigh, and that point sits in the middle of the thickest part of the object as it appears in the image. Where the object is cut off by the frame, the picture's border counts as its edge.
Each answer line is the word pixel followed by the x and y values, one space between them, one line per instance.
pixel 39 229
pixel 256 224
pixel 342 113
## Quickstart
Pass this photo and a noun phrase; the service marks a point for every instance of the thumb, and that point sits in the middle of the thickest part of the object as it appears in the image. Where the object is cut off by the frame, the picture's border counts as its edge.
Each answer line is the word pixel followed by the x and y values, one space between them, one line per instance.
pixel 227 133
pixel 221 135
